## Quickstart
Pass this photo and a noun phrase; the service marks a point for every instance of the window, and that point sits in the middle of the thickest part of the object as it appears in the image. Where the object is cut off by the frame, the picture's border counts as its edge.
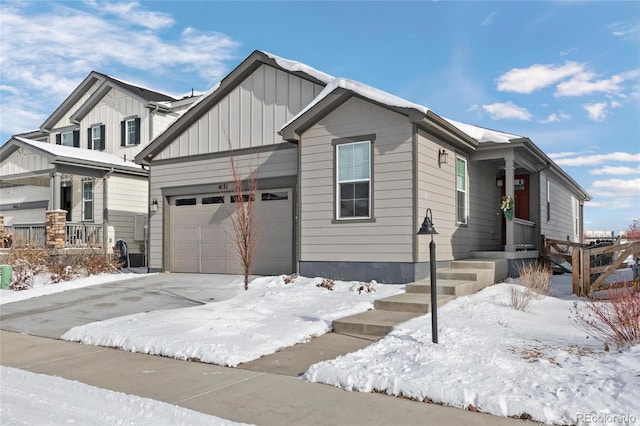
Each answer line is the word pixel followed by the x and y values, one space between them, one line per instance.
pixel 245 198
pixel 130 131
pixel 68 138
pixel 87 200
pixel 186 202
pixel 96 137
pixel 213 200
pixel 269 196
pixel 461 190
pixel 548 200
pixel 353 180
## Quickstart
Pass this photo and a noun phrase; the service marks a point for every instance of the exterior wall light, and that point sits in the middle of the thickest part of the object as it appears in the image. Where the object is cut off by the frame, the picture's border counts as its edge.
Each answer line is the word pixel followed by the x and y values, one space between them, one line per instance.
pixel 442 157
pixel 154 205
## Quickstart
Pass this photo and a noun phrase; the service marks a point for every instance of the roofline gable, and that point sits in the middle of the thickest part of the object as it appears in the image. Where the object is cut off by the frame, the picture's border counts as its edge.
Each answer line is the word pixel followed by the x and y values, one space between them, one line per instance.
pixel 217 93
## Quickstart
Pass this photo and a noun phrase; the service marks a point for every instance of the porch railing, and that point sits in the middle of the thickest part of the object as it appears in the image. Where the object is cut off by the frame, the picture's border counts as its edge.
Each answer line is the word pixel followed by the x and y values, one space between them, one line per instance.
pixel 34 234
pixel 84 234
pixel 27 234
pixel 524 234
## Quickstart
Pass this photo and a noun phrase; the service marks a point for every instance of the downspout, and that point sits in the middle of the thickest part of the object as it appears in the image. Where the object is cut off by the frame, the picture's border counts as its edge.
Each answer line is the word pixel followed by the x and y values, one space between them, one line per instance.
pixel 105 211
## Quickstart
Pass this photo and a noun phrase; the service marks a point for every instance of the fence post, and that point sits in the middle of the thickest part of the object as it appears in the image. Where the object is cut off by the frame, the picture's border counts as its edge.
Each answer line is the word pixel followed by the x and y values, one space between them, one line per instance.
pixel 585 266
pixel 575 270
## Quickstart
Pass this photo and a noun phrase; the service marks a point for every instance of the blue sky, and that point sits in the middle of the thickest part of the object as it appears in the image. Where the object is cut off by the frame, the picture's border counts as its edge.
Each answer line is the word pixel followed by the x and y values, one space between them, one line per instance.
pixel 565 74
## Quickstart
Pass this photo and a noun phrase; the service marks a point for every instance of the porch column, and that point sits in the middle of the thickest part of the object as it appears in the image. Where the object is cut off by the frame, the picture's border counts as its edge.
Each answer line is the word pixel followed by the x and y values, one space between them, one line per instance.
pixel 105 214
pixel 55 191
pixel 509 171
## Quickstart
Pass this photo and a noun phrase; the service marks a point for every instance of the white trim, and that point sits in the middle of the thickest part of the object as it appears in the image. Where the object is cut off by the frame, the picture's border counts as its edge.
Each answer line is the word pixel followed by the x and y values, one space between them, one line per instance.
pixel 338 181
pixel 465 191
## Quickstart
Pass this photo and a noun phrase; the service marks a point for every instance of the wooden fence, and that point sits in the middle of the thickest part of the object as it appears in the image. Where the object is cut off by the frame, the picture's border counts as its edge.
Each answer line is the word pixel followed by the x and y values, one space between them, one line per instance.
pixel 591 265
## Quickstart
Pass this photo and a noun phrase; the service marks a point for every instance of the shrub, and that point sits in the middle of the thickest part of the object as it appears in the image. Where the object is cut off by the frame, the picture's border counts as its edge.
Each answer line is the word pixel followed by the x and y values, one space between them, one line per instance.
pixel 36 258
pixel 22 278
pixel 327 283
pixel 94 263
pixel 612 321
pixel 366 287
pixel 289 279
pixel 535 280
pixel 60 273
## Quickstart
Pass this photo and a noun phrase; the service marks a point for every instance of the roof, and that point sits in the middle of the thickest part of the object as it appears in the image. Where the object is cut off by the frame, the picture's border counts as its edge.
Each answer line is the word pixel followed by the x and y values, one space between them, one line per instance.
pixel 482 134
pixel 70 155
pixel 106 83
pixel 217 92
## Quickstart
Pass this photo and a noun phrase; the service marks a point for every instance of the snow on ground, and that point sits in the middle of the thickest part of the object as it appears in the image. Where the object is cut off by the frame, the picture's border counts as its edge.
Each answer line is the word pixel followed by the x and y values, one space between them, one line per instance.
pixel 43 286
pixel 35 399
pixel 499 360
pixel 269 316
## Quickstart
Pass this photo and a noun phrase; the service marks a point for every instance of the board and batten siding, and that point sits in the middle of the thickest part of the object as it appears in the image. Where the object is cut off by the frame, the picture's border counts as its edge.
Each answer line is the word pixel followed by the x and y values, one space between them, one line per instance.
pixel 249 116
pixel 127 199
pixel 65 120
pixel 24 161
pixel 279 162
pixel 390 237
pixel 562 221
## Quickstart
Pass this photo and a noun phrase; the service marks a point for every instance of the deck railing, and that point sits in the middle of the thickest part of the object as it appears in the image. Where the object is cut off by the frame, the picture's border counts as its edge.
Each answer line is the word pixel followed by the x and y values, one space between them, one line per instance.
pixel 34 234
pixel 524 234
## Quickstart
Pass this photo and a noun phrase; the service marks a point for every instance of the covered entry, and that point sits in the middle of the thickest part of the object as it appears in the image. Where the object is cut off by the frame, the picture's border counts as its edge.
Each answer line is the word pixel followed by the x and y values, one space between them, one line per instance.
pixel 201 234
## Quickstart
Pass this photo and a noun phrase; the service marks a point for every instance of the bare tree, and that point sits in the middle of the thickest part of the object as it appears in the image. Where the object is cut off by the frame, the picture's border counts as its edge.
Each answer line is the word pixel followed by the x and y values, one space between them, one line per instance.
pixel 244 221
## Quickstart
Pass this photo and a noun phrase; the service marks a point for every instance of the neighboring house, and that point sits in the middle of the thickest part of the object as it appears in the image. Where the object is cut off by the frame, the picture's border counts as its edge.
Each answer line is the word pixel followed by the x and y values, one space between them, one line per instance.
pixel 345 175
pixel 81 160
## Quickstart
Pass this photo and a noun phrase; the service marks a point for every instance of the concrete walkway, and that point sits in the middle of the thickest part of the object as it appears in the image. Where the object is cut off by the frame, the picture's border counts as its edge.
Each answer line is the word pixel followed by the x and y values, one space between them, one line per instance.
pixel 232 393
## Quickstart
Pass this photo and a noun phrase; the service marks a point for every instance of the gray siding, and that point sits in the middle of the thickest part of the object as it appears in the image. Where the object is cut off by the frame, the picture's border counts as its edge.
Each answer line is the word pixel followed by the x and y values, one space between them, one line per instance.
pixel 211 172
pixel 436 190
pixel 127 199
pixel 390 237
pixel 249 116
pixel 562 223
pixel 24 161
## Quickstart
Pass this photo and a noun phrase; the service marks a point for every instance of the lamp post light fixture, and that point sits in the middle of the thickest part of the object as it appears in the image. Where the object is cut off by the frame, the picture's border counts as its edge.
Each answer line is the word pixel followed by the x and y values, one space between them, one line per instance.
pixel 428 229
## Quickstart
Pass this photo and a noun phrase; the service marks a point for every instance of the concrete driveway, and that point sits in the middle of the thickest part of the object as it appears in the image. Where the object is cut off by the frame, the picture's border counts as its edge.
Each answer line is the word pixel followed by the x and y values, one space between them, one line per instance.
pixel 53 315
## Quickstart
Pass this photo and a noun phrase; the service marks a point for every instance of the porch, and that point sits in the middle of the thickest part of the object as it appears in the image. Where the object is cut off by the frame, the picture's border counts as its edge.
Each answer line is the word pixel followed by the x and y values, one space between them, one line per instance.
pixel 77 235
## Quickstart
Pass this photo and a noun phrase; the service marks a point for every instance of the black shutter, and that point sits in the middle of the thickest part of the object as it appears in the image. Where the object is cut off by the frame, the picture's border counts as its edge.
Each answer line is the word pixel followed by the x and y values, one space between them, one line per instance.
pixel 137 141
pixel 103 129
pixel 76 138
pixel 59 139
pixel 89 137
pixel 123 140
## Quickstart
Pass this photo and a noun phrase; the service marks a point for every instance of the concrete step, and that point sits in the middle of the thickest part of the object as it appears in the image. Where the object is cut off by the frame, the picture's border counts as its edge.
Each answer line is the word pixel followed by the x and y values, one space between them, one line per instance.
pixel 372 323
pixel 448 287
pixel 472 264
pixel 484 276
pixel 410 302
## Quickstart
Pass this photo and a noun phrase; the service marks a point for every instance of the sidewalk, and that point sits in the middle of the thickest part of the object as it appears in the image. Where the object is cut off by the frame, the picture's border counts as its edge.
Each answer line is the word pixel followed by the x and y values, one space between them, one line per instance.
pixel 231 393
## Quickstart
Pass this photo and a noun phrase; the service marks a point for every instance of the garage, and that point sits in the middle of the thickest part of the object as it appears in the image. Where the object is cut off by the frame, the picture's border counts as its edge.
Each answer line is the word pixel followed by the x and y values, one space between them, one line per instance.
pixel 201 233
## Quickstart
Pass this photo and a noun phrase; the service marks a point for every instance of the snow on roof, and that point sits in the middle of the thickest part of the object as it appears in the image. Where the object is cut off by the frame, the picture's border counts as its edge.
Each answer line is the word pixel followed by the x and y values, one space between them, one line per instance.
pixel 145 92
pixel 363 90
pixel 482 134
pixel 80 154
pixel 295 66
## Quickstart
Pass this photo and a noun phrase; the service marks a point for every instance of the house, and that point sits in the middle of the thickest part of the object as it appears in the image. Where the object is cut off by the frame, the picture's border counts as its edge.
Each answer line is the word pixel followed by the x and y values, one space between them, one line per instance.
pixel 80 160
pixel 345 174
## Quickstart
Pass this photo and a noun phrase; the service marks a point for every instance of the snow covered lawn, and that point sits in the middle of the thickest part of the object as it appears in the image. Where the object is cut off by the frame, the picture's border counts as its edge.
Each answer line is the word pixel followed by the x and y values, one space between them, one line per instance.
pixel 269 316
pixel 36 399
pixel 496 359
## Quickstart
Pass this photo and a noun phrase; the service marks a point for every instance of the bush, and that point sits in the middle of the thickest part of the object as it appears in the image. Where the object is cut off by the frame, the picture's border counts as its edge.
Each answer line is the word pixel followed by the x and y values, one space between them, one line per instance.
pixel 22 278
pixel 535 280
pixel 60 272
pixel 94 263
pixel 613 321
pixel 327 283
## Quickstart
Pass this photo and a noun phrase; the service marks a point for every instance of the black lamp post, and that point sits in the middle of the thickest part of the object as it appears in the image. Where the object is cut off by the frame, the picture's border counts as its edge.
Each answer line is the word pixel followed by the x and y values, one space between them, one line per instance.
pixel 428 229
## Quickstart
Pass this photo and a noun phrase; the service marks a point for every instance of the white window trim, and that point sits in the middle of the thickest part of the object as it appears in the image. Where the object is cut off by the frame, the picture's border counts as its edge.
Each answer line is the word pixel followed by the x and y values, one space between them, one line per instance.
pixel 95 142
pixel 465 191
pixel 129 140
pixel 62 135
pixel 85 200
pixel 338 182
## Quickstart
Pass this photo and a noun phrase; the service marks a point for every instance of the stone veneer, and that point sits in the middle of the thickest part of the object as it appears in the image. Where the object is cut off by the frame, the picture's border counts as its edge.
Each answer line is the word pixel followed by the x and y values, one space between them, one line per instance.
pixel 1 224
pixel 56 228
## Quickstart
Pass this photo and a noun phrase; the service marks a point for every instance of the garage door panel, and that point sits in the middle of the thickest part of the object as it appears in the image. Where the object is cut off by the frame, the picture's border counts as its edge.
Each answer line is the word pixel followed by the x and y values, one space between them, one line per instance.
pixel 201 236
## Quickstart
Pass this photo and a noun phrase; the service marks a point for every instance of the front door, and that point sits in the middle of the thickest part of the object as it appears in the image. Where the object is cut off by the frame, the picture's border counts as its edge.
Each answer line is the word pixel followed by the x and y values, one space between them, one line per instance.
pixel 65 199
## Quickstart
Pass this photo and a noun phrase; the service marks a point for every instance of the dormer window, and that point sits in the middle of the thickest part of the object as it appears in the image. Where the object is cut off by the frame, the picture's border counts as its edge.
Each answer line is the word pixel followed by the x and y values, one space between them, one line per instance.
pixel 130 131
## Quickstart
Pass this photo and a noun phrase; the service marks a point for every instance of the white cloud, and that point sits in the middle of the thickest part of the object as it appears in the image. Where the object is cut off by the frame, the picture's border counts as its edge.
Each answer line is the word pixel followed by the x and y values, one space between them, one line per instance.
pixel 597 111
pixel 535 77
pixel 616 170
pixel 47 49
pixel 617 187
pixel 596 159
pixel 489 19
pixel 625 30
pixel 568 51
pixel 133 13
pixel 555 118
pixel 557 155
pixel 504 110
pixel 584 84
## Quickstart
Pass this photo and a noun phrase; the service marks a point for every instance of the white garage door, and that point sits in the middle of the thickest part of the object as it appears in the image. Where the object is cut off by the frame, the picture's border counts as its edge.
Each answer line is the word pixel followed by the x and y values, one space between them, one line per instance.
pixel 202 240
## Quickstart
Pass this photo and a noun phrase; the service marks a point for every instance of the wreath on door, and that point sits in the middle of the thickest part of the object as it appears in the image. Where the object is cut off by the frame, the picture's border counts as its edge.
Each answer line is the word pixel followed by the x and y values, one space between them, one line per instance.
pixel 507 207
